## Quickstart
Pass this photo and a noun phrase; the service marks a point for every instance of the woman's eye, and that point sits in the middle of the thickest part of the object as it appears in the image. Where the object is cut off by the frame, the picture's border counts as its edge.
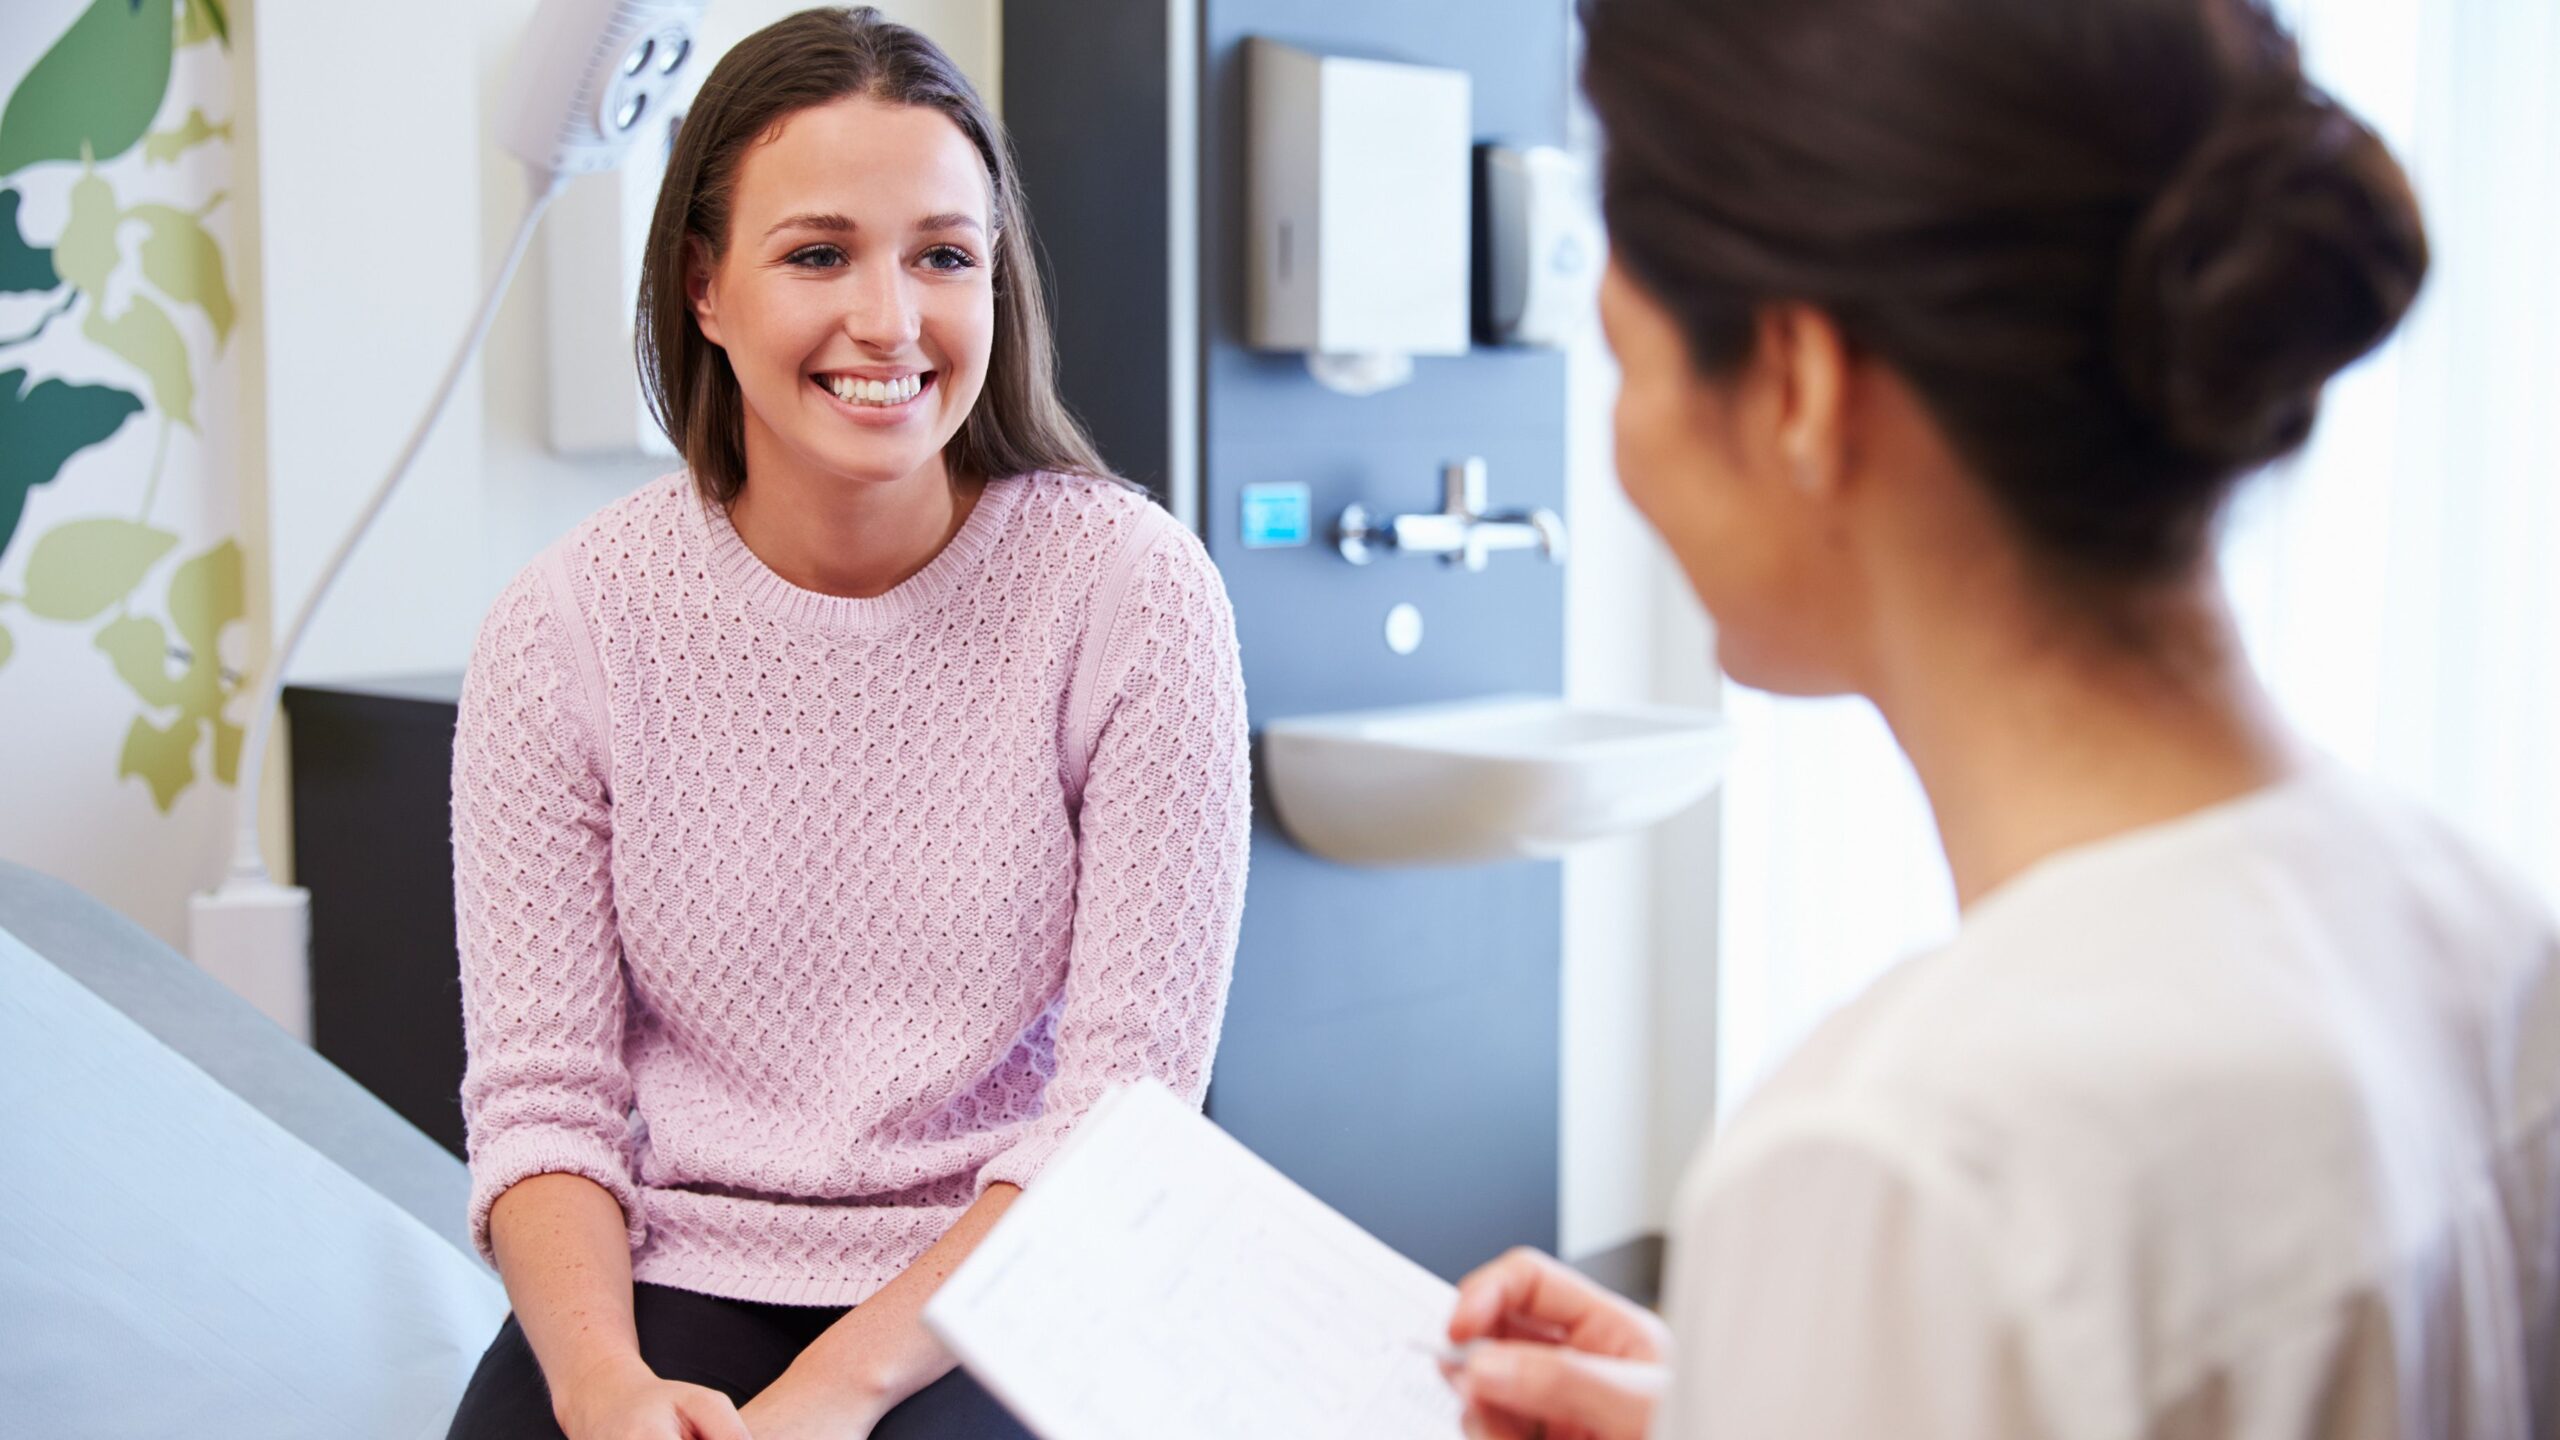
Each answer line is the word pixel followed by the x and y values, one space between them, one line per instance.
pixel 813 257
pixel 949 258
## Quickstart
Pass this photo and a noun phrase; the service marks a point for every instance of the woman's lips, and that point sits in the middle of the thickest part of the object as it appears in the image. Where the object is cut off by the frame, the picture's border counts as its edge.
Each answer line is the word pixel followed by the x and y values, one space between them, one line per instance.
pixel 880 415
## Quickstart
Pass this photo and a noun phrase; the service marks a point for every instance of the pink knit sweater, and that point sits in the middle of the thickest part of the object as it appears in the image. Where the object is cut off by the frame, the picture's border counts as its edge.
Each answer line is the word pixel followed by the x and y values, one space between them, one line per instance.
pixel 795 921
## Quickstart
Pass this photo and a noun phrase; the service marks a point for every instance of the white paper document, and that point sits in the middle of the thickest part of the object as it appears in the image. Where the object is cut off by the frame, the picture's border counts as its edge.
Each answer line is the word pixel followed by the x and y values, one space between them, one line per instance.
pixel 1161 1282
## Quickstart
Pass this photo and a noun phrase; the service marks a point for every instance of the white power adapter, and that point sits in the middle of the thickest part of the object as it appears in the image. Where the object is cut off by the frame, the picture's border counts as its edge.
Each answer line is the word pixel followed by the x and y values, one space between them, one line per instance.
pixel 254 936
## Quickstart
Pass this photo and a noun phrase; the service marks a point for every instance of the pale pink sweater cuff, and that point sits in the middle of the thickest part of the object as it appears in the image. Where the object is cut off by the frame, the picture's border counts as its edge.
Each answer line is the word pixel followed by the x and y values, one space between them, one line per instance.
pixel 522 1151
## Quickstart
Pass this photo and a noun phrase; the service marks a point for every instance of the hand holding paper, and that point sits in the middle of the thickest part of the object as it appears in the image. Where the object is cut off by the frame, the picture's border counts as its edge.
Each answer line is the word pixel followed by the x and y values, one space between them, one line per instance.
pixel 1162 1281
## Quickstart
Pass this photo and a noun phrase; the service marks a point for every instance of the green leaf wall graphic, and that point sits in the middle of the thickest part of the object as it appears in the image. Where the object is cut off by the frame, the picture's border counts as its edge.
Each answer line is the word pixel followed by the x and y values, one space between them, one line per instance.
pixel 89 98
pixel 42 427
pixel 23 267
pixel 160 147
pixel 78 570
pixel 177 255
pixel 86 253
pixel 206 594
pixel 144 337
pixel 95 91
pixel 204 21
pixel 184 262
pixel 138 647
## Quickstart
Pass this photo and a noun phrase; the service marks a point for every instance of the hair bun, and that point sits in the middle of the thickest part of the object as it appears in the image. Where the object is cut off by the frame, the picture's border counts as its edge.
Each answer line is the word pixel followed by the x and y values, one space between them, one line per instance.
pixel 2285 246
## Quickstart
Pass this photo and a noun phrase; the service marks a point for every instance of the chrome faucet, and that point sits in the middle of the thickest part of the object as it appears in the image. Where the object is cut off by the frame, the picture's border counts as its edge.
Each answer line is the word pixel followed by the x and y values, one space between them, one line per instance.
pixel 1460 534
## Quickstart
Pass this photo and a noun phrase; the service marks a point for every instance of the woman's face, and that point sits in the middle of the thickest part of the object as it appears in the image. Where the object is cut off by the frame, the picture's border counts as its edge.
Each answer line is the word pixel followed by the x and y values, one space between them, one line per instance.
pixel 1702 460
pixel 855 299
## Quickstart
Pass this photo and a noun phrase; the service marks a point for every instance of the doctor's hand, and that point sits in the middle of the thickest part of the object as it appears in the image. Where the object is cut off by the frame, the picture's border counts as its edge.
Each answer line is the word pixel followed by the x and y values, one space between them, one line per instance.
pixel 1554 1356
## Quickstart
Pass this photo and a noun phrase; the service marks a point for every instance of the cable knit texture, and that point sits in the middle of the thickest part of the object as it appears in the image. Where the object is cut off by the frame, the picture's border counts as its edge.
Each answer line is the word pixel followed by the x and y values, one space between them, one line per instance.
pixel 795 920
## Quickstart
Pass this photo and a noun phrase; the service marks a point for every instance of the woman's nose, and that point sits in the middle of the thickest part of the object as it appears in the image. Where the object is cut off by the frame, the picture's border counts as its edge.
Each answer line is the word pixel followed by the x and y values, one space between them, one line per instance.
pixel 880 310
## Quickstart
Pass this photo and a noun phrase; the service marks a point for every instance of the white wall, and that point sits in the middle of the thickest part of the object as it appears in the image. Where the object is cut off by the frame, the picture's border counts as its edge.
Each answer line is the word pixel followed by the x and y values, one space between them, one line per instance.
pixel 368 167
pixel 1639 911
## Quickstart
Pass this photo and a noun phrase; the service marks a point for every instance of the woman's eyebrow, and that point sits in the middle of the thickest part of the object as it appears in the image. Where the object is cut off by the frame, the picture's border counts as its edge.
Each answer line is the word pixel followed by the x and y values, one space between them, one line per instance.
pixel 833 224
pixel 830 224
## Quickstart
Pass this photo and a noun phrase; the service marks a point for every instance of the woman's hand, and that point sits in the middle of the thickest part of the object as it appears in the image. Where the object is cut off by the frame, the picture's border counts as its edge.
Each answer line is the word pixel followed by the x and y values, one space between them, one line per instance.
pixel 1554 1355
pixel 632 1403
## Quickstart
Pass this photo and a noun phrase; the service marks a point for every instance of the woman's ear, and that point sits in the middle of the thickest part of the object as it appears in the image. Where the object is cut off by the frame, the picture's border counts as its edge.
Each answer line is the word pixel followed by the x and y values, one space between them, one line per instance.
pixel 698 272
pixel 1811 360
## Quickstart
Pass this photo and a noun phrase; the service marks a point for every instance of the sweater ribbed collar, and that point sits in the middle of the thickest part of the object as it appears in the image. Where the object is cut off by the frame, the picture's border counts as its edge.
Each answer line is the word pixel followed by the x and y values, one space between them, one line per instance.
pixel 738 572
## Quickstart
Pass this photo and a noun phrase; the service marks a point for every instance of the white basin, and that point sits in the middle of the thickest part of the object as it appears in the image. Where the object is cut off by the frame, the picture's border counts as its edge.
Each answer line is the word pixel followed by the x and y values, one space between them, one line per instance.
pixel 1510 777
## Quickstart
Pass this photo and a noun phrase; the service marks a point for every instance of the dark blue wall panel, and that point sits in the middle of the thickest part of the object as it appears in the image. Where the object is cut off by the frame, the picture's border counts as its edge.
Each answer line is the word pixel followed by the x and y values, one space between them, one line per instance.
pixel 1392 1041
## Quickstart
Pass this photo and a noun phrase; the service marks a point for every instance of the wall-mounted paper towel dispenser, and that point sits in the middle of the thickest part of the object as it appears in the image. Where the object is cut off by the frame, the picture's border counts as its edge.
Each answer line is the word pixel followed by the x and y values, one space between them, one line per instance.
pixel 1358 211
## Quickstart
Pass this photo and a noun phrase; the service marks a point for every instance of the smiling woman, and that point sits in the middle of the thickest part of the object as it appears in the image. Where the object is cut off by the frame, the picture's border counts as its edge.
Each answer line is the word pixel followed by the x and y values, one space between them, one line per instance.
pixel 836 819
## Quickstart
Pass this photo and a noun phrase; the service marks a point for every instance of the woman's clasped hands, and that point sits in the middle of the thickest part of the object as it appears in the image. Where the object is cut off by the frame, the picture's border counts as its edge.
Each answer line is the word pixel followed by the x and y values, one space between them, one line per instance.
pixel 1551 1355
pixel 633 1403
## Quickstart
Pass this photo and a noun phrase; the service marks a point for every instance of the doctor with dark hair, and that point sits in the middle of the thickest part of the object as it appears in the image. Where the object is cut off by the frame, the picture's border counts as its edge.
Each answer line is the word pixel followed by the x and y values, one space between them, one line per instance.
pixel 1948 328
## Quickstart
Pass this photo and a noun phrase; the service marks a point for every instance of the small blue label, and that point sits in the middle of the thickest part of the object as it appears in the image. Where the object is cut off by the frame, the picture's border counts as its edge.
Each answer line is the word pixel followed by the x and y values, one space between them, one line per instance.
pixel 1276 514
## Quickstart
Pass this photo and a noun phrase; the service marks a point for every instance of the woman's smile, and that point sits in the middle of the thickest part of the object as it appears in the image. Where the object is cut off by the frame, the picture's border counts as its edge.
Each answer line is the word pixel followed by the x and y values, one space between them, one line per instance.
pixel 869 398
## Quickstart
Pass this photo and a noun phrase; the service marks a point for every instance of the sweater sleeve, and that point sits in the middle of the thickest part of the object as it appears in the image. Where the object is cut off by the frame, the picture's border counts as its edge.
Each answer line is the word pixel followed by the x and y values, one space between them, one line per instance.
pixel 1166 816
pixel 544 1088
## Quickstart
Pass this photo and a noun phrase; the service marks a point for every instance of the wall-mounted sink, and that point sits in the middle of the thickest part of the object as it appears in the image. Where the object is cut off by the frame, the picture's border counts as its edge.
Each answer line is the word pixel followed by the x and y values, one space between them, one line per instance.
pixel 1507 777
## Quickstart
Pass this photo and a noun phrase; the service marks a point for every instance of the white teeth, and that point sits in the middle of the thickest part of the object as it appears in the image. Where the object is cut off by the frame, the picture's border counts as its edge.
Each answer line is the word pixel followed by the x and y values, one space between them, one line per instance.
pixel 856 391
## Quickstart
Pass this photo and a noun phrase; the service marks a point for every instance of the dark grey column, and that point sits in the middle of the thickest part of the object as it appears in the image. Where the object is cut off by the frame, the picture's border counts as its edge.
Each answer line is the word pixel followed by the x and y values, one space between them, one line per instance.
pixel 1392 1042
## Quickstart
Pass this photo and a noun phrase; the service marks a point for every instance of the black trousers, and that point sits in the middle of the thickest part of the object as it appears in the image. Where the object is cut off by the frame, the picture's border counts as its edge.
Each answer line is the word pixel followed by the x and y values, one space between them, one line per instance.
pixel 736 1347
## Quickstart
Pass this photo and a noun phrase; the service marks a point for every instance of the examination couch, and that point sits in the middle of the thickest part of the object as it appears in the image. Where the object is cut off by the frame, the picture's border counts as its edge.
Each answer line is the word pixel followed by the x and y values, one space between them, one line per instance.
pixel 205 1228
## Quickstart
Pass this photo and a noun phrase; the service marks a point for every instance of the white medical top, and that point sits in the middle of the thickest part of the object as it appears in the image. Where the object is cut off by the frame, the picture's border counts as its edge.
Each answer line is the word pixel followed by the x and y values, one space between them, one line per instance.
pixel 2244 1125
